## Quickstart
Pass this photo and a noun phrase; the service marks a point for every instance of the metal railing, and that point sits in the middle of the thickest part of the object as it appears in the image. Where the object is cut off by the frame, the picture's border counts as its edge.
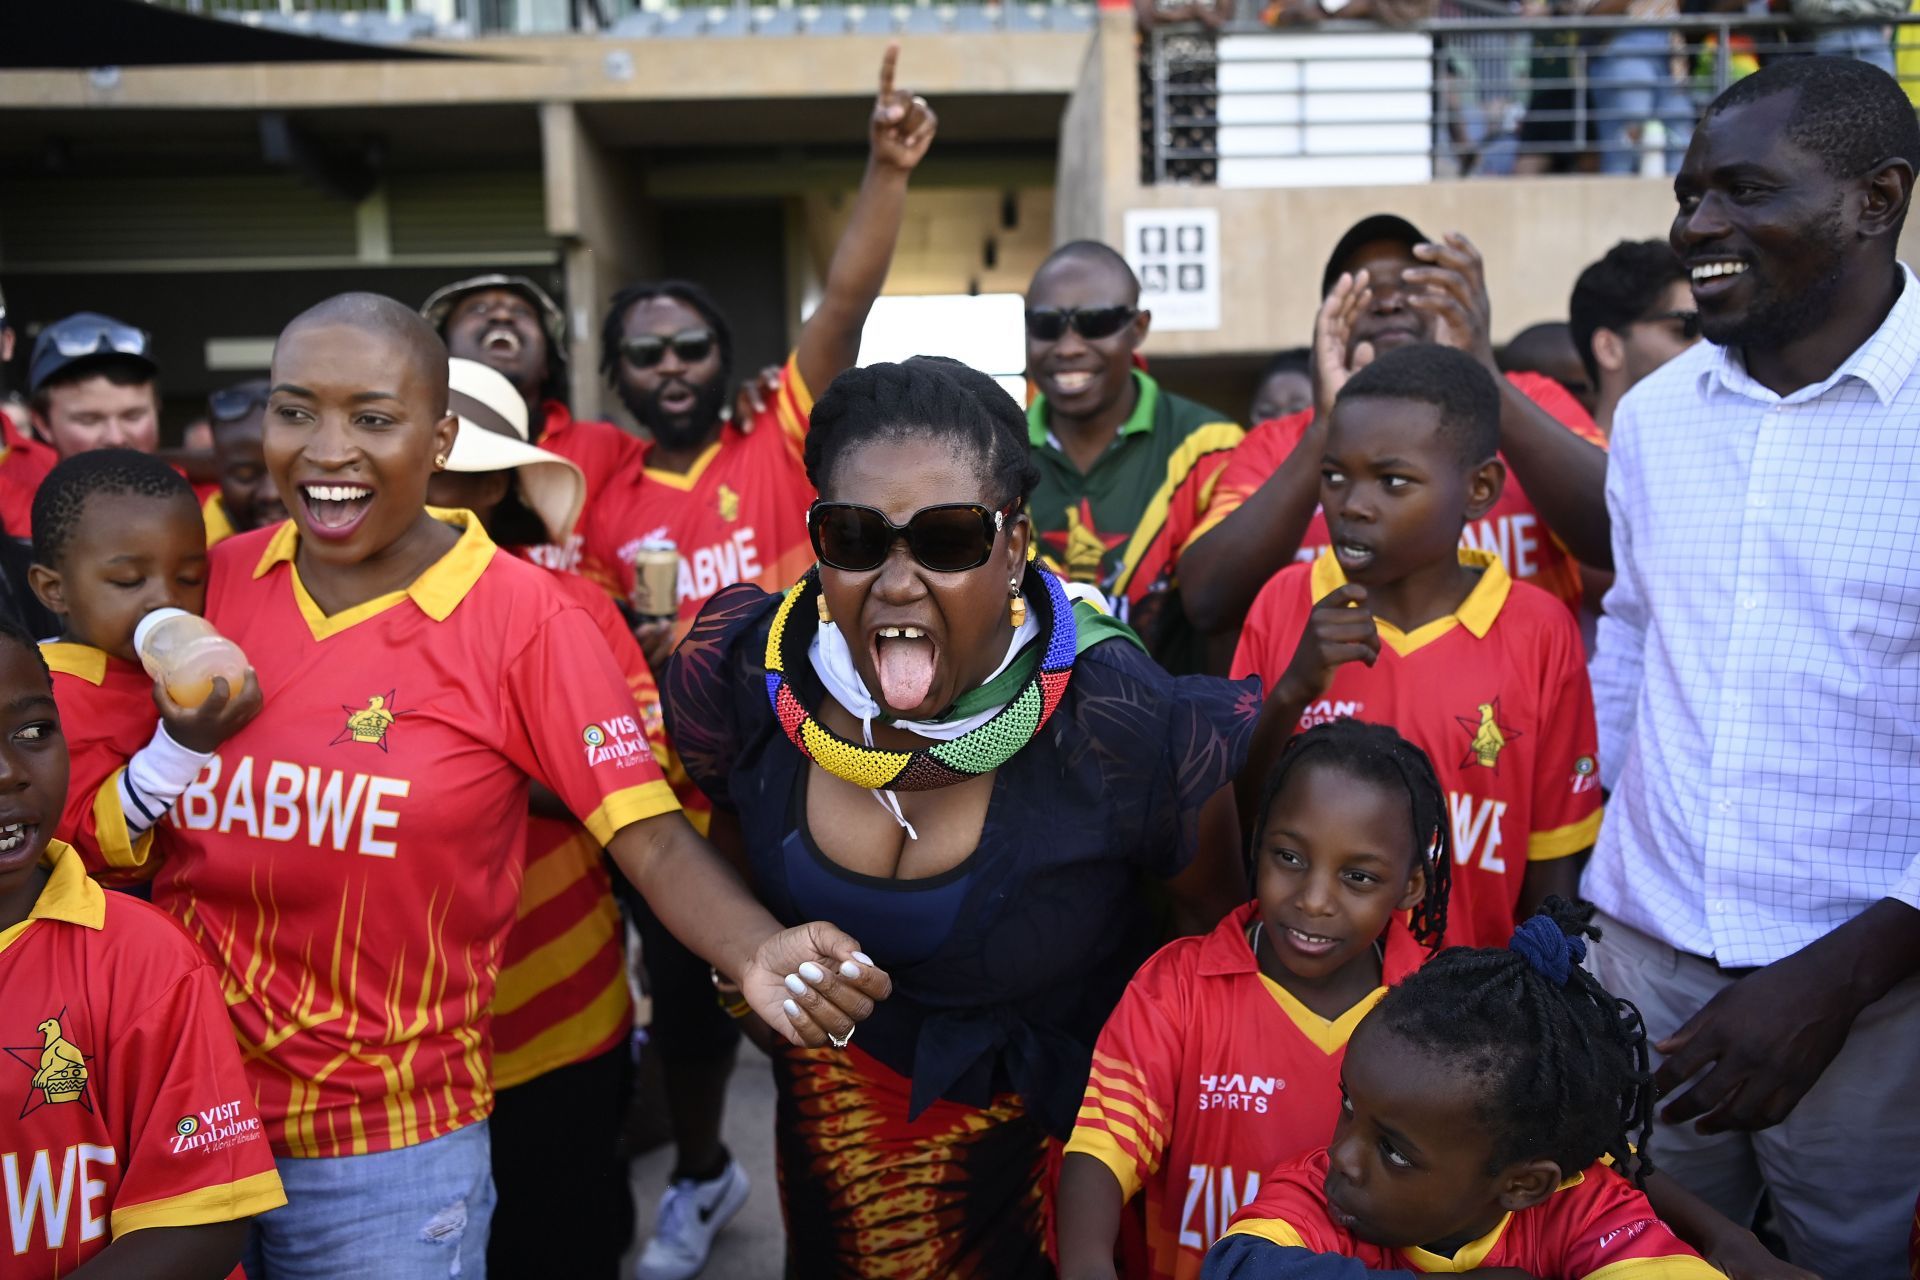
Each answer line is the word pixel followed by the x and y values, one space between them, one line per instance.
pixel 1456 96
pixel 399 20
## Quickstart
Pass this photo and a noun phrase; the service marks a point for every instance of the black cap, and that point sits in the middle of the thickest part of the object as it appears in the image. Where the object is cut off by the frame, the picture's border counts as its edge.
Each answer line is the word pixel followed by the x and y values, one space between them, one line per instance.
pixel 87 337
pixel 1377 226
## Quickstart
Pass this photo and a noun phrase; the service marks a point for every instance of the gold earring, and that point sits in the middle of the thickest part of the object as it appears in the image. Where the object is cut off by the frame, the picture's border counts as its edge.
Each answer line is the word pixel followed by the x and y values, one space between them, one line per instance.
pixel 820 605
pixel 1016 606
pixel 439 462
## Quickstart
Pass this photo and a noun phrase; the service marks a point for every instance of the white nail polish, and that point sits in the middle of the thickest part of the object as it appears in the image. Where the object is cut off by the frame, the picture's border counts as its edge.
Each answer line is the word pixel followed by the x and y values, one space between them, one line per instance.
pixel 850 971
pixel 793 1010
pixel 863 958
pixel 812 972
pixel 796 986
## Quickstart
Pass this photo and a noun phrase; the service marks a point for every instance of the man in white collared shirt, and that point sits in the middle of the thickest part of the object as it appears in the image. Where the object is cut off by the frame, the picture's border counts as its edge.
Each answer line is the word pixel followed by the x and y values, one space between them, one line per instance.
pixel 1758 675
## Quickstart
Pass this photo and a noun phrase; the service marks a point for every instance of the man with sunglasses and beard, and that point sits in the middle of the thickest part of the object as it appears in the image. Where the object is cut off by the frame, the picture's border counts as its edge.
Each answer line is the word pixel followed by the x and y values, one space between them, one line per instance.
pixel 1125 465
pixel 732 496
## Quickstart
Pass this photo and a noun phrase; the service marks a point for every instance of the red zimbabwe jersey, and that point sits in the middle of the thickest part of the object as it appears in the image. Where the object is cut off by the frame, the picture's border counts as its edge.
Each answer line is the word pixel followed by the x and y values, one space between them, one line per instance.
pixel 562 996
pixel 1512 529
pixel 106 715
pixel 1596 1220
pixel 1208 1073
pixel 739 515
pixel 122 1102
pixel 24 463
pixel 601 450
pixel 1495 693
pixel 352 857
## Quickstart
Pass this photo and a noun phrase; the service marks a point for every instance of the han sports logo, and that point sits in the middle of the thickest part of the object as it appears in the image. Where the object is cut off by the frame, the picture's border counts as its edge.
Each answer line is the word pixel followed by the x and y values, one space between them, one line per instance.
pixel 58 1066
pixel 1487 737
pixel 369 724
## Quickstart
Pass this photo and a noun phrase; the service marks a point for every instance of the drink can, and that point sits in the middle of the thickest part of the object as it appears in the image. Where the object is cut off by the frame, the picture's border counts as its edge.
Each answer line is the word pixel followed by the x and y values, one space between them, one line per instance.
pixel 656 581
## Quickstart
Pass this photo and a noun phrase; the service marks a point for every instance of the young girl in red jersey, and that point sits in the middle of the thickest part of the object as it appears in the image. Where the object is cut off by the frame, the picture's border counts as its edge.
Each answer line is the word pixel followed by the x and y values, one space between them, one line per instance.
pixel 1486 1109
pixel 1223 1057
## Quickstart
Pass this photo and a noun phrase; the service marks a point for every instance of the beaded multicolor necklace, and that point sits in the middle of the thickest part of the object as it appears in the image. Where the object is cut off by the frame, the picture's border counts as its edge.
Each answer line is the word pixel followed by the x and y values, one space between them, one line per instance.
pixel 978 751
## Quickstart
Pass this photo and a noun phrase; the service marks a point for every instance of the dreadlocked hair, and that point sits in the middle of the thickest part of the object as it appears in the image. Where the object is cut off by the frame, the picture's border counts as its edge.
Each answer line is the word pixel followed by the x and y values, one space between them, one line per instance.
pixel 1375 753
pixel 614 328
pixel 62 496
pixel 924 398
pixel 1561 1063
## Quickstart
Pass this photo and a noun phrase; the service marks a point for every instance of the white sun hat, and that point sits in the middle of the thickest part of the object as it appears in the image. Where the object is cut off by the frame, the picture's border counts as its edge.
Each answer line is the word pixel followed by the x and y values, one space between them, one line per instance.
pixel 493 437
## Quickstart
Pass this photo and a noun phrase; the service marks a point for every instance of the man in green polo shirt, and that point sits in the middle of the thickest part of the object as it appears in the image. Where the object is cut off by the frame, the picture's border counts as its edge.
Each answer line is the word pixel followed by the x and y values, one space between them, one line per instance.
pixel 1126 467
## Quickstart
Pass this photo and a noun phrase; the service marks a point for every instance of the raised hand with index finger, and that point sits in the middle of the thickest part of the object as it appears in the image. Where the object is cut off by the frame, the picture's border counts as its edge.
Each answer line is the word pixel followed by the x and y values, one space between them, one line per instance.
pixel 903 124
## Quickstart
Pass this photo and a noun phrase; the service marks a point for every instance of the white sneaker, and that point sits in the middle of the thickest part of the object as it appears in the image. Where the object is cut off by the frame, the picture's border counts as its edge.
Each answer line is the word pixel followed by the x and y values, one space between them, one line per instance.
pixel 691 1215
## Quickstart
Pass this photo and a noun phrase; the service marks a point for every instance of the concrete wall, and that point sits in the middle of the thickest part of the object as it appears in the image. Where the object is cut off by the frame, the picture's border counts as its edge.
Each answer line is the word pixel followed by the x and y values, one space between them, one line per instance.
pixel 1536 233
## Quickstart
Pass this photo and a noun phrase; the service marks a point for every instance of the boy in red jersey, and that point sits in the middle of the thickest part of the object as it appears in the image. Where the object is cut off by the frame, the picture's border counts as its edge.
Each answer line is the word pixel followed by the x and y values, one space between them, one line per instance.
pixel 732 496
pixel 116 536
pixel 1396 623
pixel 129 1144
pixel 1487 1103
pixel 1223 1057
pixel 1387 286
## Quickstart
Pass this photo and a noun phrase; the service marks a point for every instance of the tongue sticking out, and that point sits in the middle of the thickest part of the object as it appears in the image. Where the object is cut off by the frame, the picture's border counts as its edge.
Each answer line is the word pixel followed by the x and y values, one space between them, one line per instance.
pixel 905 668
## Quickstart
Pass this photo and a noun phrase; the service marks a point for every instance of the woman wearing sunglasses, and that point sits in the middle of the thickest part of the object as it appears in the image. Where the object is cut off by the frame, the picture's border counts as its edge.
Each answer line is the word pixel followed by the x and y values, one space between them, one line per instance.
pixel 930 739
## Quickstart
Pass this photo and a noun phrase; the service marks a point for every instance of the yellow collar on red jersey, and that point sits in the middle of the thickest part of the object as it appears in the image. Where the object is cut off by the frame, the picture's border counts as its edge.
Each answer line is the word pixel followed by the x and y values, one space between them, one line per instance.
pixel 213 513
pixel 81 661
pixel 70 896
pixel 438 590
pixel 1476 613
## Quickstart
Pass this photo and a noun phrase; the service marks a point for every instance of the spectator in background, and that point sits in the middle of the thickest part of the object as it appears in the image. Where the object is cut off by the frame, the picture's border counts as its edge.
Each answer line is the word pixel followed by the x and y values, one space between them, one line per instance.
pixel 1866 41
pixel 93 384
pixel 1558 123
pixel 24 461
pixel 246 499
pixel 197 436
pixel 1632 312
pixel 1548 349
pixel 1633 81
pixel 1286 386
pixel 1755 679
pixel 512 326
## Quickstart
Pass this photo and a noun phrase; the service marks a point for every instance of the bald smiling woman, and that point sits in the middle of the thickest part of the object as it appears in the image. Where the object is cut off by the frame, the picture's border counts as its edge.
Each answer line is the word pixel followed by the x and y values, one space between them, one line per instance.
pixel 351 860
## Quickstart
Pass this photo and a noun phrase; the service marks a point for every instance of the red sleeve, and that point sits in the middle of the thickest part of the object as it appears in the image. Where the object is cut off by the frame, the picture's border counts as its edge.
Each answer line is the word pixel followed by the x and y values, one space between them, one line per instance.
pixel 1610 1222
pixel 571 724
pixel 1126 1117
pixel 1291 1211
pixel 98 726
pixel 193 1148
pixel 1273 627
pixel 1559 404
pixel 786 415
pixel 1191 511
pixel 1248 467
pixel 1566 780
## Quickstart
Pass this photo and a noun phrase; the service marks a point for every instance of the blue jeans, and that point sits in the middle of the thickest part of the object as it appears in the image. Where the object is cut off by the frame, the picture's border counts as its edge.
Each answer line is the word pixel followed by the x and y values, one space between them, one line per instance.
pixel 1868 44
pixel 417 1213
pixel 1633 82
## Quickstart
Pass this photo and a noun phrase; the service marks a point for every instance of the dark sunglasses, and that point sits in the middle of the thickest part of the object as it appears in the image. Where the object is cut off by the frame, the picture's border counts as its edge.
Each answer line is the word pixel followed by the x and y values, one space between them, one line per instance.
pixel 648 350
pixel 1689 322
pixel 1050 324
pixel 231 403
pixel 952 537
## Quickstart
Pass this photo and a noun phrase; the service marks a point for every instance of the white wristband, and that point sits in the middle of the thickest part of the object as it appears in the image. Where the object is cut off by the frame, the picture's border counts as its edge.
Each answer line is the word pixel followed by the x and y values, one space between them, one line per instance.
pixel 155 777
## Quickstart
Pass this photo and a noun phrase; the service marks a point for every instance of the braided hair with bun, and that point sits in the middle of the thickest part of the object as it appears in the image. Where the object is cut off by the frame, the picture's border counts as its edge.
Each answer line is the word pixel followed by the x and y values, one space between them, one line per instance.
pixel 1561 1063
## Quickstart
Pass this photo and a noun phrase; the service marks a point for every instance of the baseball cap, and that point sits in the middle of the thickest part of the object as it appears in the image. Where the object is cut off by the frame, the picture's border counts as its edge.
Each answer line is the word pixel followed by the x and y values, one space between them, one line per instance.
pixel 493 436
pixel 1376 226
pixel 439 307
pixel 82 336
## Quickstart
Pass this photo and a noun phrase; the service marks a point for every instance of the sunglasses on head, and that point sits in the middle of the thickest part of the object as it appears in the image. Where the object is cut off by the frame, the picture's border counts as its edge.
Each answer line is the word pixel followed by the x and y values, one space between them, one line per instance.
pixel 231 403
pixel 649 349
pixel 77 336
pixel 1050 324
pixel 951 537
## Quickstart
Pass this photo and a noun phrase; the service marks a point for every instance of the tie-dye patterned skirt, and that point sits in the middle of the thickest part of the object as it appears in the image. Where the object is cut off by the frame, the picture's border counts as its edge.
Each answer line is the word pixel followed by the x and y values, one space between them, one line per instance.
pixel 959 1193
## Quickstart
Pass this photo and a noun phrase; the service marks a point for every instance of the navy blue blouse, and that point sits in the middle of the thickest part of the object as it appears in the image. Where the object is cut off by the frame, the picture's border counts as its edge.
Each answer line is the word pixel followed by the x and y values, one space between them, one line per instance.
pixel 1014 958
